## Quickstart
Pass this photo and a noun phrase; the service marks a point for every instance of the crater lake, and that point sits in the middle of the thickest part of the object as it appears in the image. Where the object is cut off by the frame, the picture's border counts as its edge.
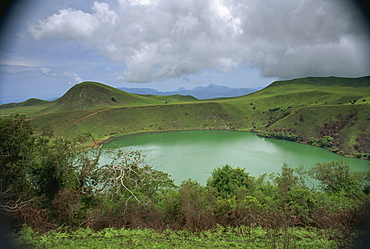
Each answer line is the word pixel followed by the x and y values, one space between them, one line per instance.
pixel 194 154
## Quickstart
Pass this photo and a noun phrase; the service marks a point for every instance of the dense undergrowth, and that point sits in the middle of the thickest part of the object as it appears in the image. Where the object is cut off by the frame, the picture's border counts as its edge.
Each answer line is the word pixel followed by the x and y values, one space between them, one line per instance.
pixel 64 199
pixel 218 237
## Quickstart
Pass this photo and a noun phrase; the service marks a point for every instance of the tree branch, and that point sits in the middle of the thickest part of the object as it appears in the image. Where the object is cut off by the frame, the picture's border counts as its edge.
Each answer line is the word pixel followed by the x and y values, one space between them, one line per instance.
pixel 13 206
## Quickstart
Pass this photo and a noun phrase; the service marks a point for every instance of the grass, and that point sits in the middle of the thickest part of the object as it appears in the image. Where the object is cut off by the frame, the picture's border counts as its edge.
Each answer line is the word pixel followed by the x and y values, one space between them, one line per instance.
pixel 220 237
pixel 106 111
pixel 107 122
pixel 29 107
pixel 92 95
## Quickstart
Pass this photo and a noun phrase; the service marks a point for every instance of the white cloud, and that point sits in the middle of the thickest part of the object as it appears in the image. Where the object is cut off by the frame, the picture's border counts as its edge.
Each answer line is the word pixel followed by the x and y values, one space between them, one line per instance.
pixel 73 77
pixel 74 24
pixel 67 24
pixel 139 2
pixel 160 39
pixel 46 71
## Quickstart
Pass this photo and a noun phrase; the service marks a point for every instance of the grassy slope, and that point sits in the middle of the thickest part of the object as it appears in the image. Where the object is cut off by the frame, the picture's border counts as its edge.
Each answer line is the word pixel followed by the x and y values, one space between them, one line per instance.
pixel 92 95
pixel 103 123
pixel 318 101
pixel 29 107
pixel 88 107
pixel 89 96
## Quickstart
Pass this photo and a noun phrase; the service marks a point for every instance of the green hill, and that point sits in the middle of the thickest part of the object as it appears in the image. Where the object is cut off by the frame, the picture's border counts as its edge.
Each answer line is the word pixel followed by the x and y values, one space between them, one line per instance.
pixel 309 110
pixel 327 81
pixel 33 102
pixel 28 102
pixel 92 95
pixel 29 107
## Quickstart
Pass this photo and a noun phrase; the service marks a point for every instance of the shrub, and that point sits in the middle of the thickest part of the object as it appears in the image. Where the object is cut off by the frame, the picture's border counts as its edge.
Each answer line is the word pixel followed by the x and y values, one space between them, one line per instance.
pixel 197 204
pixel 283 134
pixel 337 177
pixel 226 180
pixel 324 142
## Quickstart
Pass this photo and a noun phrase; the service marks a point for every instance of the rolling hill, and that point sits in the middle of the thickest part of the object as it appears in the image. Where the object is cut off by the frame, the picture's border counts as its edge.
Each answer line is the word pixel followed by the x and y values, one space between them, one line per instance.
pixel 29 107
pixel 93 95
pixel 329 112
pixel 28 102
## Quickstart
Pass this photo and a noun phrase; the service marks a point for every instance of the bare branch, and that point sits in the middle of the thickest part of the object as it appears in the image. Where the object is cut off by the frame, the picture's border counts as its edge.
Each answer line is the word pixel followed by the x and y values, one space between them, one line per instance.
pixel 13 206
pixel 124 172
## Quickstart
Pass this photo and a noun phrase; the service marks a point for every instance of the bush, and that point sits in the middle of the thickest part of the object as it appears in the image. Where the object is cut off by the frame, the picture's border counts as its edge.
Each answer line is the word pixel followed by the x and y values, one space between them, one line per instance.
pixel 283 134
pixel 227 180
pixel 324 142
pixel 337 177
pixel 197 204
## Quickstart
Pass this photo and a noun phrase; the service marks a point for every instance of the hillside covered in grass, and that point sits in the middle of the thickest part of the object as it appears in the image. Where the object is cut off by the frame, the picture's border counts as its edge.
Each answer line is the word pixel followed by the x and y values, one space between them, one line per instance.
pixel 92 95
pixel 329 112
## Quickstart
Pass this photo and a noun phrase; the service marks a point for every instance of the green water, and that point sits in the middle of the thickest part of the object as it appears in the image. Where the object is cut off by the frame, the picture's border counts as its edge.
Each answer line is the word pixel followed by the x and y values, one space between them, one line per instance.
pixel 194 154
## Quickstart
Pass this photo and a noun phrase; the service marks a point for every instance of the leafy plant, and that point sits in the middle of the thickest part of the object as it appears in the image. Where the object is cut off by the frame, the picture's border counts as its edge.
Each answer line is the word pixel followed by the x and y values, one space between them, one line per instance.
pixel 226 180
pixel 283 134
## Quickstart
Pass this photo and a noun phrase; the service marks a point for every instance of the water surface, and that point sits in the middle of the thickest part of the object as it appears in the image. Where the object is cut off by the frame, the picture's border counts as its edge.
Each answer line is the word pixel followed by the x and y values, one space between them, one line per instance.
pixel 194 154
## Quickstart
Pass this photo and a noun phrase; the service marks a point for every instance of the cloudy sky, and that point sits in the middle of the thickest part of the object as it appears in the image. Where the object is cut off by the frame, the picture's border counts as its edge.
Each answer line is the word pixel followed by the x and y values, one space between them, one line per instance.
pixel 47 46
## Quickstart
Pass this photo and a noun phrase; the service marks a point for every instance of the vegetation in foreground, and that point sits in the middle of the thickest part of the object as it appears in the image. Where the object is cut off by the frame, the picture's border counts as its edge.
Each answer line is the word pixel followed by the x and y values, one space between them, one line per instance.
pixel 329 112
pixel 65 198
pixel 218 237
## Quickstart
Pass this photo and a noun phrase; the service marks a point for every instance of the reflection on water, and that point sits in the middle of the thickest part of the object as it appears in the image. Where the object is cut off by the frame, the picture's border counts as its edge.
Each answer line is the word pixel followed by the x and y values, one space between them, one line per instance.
pixel 194 154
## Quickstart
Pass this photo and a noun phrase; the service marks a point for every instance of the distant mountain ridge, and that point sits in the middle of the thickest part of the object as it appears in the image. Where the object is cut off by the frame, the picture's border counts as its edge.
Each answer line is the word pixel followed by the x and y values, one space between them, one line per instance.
pixel 200 92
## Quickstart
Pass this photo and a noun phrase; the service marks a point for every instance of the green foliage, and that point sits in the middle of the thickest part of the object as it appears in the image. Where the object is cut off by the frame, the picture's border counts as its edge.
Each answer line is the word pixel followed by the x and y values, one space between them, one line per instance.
pixel 26 237
pixel 324 142
pixel 17 152
pixel 283 134
pixel 54 169
pixel 197 204
pixel 218 237
pixel 362 155
pixel 169 206
pixel 286 180
pixel 35 162
pixel 336 177
pixel 227 180
pixel 75 190
pixel 68 183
